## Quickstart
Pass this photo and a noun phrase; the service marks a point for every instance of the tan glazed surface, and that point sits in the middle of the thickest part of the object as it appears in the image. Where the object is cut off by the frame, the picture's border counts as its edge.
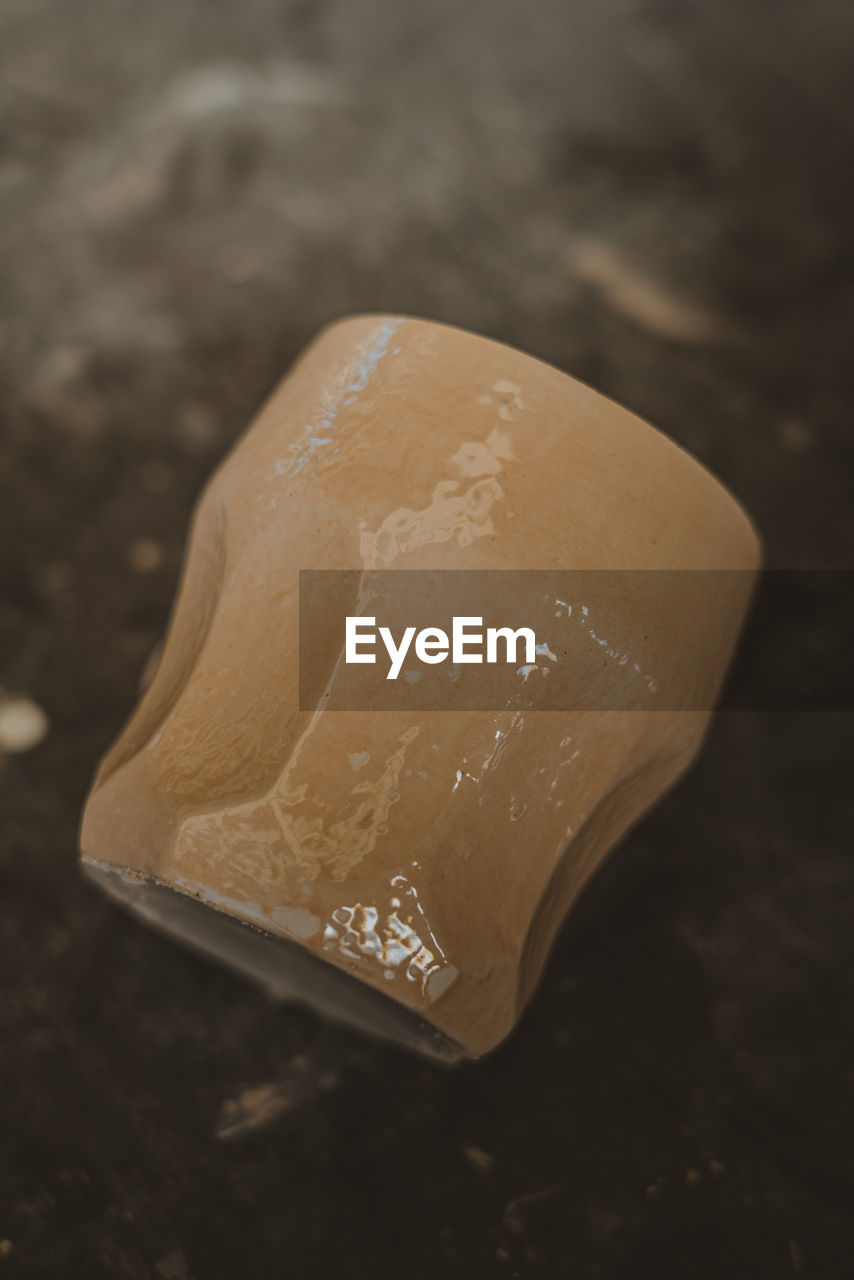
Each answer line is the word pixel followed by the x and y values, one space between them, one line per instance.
pixel 432 856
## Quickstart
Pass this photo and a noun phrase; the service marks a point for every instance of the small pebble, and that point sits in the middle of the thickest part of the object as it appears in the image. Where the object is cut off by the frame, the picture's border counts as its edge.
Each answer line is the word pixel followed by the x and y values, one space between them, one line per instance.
pixel 145 555
pixel 479 1159
pixel 23 725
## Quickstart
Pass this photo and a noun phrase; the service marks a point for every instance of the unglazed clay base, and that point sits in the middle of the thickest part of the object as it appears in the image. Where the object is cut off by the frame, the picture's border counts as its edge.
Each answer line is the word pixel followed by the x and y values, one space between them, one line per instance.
pixel 404 871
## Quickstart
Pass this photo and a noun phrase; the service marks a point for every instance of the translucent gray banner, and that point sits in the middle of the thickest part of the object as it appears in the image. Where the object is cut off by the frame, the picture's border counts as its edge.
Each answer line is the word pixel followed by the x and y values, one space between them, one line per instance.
pixel 548 640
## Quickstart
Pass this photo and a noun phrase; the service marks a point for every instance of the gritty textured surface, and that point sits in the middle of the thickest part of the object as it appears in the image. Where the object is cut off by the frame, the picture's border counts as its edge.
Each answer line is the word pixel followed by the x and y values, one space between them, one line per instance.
pixel 653 195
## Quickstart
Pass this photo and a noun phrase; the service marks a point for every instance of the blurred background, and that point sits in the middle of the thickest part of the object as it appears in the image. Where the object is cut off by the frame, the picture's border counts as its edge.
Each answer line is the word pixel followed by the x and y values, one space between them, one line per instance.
pixel 655 195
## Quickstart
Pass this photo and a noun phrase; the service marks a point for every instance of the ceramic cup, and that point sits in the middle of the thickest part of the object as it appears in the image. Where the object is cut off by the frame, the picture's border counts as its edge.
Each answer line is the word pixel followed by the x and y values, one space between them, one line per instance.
pixel 406 867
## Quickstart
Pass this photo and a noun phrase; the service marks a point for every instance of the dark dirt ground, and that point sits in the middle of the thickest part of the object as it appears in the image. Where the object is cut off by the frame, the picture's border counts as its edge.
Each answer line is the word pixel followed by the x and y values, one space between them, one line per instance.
pixel 656 195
